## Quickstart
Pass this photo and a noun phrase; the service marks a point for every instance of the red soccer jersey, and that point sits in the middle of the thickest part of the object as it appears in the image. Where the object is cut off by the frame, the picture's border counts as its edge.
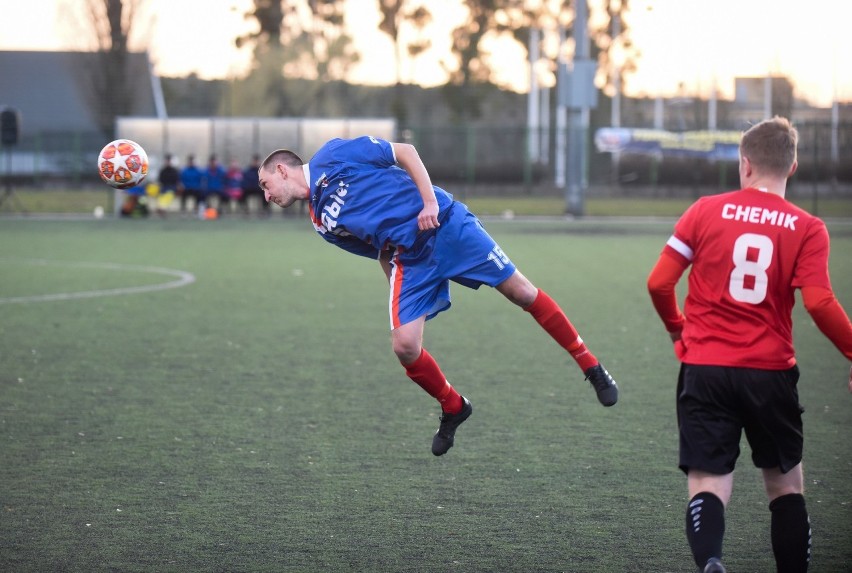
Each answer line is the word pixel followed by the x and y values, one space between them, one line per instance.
pixel 749 251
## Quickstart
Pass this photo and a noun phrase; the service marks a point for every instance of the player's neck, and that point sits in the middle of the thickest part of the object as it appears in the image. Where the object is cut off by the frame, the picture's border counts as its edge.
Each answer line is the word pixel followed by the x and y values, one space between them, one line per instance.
pixel 769 186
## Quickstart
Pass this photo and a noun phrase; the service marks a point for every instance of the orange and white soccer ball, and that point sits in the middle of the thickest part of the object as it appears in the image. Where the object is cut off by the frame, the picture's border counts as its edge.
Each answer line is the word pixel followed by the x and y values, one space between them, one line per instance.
pixel 123 164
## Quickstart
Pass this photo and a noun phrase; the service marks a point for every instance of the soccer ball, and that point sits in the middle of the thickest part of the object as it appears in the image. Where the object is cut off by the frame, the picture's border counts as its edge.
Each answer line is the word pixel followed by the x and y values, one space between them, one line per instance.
pixel 122 164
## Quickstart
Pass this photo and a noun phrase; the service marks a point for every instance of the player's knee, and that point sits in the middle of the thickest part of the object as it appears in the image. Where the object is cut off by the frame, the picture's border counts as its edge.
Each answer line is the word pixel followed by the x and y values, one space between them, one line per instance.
pixel 526 296
pixel 407 351
pixel 774 490
pixel 519 290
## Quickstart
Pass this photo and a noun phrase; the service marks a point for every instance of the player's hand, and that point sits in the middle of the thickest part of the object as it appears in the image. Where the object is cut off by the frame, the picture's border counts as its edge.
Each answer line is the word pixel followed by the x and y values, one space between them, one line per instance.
pixel 428 217
pixel 679 348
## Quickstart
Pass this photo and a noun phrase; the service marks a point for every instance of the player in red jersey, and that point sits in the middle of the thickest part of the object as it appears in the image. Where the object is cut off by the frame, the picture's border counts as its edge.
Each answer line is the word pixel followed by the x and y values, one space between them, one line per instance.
pixel 749 250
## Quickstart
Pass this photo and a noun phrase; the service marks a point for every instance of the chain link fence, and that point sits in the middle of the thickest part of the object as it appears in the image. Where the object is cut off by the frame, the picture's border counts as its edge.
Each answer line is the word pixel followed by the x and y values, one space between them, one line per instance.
pixel 477 156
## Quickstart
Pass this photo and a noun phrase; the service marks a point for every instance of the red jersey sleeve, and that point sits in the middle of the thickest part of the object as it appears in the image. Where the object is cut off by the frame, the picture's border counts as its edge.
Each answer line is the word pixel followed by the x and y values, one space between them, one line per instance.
pixel 829 317
pixel 661 286
pixel 812 261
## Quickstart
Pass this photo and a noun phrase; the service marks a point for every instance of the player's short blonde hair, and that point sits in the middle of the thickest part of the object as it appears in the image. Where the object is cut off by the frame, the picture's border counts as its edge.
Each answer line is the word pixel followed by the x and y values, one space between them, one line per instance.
pixel 771 145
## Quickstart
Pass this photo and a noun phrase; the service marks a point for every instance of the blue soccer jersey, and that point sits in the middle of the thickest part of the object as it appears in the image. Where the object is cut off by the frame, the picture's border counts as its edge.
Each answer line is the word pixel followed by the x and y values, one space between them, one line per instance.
pixel 361 200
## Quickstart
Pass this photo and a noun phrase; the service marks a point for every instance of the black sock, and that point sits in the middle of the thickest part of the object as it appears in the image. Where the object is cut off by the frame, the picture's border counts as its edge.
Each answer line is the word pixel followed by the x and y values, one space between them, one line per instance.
pixel 705 527
pixel 791 533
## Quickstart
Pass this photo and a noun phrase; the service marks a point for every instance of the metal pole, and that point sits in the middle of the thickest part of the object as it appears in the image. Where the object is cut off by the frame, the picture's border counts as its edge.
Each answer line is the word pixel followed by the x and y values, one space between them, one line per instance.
pixel 615 112
pixel 544 126
pixel 578 119
pixel 712 108
pixel 767 97
pixel 835 144
pixel 561 121
pixel 533 99
pixel 659 113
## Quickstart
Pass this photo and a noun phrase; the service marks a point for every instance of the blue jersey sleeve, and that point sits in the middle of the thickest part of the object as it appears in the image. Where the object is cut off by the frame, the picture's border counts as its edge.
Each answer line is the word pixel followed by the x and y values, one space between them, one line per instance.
pixel 353 245
pixel 365 150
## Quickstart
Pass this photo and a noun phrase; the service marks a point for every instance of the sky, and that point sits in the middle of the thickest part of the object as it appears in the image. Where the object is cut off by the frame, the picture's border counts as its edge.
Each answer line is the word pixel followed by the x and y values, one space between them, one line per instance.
pixel 686 46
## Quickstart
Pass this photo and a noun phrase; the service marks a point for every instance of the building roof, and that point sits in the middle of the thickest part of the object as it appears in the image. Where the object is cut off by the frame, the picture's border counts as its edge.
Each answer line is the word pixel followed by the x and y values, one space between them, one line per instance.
pixel 55 91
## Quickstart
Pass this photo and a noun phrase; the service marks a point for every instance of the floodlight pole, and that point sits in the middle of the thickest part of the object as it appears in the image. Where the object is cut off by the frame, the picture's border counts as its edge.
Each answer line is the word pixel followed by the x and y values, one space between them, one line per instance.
pixel 578 113
pixel 561 117
pixel 533 99
pixel 615 111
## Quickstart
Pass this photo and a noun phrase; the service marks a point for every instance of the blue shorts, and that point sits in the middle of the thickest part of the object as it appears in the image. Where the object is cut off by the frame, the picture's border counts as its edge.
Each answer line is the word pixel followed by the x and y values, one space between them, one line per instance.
pixel 460 250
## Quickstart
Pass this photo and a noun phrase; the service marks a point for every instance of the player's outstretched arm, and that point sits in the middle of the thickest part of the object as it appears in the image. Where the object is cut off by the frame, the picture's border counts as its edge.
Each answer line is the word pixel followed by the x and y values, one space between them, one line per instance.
pixel 408 158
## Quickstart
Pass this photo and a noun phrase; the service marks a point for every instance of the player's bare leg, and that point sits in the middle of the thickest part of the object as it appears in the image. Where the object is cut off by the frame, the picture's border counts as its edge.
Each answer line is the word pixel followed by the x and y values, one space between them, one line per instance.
pixel 552 319
pixel 407 340
pixel 424 371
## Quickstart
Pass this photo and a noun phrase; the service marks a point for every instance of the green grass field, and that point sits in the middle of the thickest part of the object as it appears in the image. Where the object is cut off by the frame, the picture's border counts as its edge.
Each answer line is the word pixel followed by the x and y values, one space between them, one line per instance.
pixel 84 201
pixel 257 420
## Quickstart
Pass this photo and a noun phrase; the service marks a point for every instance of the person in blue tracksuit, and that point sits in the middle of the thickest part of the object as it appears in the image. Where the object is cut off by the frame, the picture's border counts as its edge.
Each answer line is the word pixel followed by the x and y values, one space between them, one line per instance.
pixel 213 185
pixel 191 183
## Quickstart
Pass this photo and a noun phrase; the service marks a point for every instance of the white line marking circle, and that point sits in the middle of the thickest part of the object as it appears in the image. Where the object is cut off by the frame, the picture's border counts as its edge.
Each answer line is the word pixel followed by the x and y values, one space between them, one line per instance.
pixel 183 278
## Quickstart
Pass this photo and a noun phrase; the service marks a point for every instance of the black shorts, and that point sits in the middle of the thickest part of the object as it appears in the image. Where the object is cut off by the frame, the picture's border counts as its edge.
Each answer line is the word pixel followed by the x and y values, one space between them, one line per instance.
pixel 716 403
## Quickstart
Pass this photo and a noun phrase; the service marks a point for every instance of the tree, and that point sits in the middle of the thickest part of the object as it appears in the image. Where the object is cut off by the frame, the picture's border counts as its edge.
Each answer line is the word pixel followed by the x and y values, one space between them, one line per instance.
pixel 473 69
pixel 466 38
pixel 111 83
pixel 614 47
pixel 395 13
pixel 270 16
pixel 304 40
pixel 263 90
pixel 515 18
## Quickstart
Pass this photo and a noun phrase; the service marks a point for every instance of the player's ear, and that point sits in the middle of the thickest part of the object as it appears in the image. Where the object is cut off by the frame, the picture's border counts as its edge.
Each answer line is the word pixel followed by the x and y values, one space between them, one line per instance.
pixel 281 169
pixel 793 168
pixel 745 165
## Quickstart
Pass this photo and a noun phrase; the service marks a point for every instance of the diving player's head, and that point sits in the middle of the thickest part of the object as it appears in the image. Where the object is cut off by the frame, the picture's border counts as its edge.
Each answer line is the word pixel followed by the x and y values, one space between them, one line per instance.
pixel 282 178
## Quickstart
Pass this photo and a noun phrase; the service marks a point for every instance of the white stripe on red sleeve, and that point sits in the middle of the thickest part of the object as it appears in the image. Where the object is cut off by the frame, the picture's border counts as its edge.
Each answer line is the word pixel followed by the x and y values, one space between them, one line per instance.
pixel 680 247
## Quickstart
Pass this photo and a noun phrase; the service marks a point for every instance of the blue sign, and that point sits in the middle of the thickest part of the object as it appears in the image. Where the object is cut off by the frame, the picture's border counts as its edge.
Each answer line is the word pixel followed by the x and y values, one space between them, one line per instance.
pixel 710 145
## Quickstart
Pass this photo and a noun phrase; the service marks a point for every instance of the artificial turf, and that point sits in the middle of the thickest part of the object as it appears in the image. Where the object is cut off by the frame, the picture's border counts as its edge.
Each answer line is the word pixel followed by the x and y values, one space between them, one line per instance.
pixel 257 420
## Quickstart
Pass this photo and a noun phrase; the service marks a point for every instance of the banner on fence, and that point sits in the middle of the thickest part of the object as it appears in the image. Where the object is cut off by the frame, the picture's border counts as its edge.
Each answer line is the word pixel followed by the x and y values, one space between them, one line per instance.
pixel 710 145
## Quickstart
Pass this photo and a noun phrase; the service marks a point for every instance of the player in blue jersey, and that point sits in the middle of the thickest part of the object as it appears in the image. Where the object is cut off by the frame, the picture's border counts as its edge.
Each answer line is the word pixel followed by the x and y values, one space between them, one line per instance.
pixel 375 198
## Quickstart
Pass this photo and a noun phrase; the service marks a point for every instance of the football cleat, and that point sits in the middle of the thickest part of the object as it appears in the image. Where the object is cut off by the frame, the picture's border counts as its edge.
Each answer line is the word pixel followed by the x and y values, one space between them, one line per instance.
pixel 446 433
pixel 714 566
pixel 603 384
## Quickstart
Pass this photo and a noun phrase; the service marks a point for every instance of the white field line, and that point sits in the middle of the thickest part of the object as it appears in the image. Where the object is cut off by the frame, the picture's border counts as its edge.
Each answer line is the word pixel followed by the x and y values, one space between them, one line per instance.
pixel 183 278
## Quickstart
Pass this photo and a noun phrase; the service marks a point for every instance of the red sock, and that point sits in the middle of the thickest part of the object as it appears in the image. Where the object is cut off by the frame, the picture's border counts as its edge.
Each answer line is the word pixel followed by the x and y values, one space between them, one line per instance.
pixel 551 318
pixel 427 374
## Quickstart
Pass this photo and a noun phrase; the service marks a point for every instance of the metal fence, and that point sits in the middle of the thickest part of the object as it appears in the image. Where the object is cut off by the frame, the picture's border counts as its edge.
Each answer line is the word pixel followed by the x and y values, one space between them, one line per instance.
pixel 499 154
pixel 490 155
pixel 241 138
pixel 70 158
